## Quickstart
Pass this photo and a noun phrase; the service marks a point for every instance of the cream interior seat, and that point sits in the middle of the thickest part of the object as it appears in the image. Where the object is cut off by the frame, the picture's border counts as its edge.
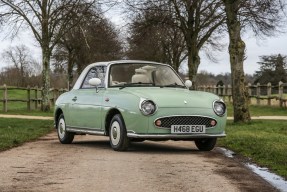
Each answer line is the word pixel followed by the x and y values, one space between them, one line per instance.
pixel 140 76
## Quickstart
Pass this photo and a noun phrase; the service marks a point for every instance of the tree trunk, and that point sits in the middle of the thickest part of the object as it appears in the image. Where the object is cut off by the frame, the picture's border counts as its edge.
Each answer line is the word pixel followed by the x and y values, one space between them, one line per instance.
pixel 70 69
pixel 46 80
pixel 46 56
pixel 193 63
pixel 237 52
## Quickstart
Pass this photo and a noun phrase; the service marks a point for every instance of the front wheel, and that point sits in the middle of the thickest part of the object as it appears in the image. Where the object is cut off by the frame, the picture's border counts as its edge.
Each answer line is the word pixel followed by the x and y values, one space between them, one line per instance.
pixel 118 134
pixel 64 136
pixel 205 144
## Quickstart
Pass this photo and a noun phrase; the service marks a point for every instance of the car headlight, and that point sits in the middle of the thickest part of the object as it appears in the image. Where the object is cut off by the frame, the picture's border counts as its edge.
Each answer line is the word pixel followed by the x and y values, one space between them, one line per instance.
pixel 147 107
pixel 219 108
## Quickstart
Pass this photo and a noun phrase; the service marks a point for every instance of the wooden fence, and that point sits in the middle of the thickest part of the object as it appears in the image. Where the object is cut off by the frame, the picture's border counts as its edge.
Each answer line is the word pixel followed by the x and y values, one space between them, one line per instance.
pixel 33 96
pixel 263 94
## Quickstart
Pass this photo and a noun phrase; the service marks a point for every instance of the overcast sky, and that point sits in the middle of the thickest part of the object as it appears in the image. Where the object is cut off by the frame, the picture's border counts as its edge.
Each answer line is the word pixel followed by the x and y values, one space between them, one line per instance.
pixel 255 48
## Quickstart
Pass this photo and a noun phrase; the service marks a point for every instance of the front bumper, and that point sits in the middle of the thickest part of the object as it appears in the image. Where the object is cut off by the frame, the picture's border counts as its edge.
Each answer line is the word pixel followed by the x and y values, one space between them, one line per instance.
pixel 174 136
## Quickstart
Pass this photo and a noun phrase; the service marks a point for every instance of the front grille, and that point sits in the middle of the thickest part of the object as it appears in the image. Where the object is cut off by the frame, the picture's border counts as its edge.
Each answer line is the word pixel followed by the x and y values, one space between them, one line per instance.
pixel 166 122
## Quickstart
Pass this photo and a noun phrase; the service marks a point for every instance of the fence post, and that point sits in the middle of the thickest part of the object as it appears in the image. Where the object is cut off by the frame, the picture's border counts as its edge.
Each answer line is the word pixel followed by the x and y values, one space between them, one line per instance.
pixel 229 92
pixel 269 91
pixel 54 95
pixel 36 97
pixel 224 90
pixel 249 88
pixel 5 100
pixel 29 98
pixel 281 93
pixel 214 89
pixel 258 93
pixel 41 90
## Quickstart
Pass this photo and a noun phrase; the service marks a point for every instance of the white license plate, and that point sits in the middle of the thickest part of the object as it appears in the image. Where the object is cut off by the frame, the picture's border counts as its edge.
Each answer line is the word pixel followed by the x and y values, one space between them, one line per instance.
pixel 188 129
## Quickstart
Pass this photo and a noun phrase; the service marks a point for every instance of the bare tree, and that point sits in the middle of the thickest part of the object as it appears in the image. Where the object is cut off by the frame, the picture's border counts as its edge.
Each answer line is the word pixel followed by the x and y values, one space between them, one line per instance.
pixel 154 37
pixel 263 18
pixel 93 39
pixel 198 20
pixel 48 20
pixel 20 58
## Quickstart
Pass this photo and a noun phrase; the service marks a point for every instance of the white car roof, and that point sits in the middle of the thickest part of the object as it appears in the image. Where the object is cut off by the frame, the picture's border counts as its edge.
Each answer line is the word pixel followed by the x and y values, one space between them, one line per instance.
pixel 107 63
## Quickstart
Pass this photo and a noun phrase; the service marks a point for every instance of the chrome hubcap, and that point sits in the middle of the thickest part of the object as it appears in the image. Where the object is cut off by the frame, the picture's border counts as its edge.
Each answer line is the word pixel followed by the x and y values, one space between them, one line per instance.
pixel 61 128
pixel 115 133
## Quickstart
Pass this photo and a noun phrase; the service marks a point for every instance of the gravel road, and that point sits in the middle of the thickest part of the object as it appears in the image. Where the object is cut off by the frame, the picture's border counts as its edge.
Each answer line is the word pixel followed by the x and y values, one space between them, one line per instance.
pixel 89 164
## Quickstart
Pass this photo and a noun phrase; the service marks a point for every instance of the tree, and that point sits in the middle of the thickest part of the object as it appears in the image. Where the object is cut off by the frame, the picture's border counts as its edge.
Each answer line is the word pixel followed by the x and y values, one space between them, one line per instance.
pixel 199 21
pixel 22 64
pixel 93 39
pixel 273 68
pixel 48 20
pixel 153 37
pixel 262 17
pixel 19 57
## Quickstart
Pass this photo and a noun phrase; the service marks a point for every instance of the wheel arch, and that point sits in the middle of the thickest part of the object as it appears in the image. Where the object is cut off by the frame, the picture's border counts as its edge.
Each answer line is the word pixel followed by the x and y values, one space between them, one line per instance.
pixel 112 112
pixel 58 112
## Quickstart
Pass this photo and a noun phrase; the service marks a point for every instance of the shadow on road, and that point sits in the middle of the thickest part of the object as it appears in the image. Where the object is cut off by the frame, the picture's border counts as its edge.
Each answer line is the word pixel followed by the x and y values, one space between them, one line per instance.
pixel 171 147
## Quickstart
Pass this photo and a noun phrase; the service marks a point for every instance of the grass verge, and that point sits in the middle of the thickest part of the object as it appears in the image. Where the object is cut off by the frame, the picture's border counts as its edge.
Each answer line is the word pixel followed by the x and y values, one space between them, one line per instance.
pixel 264 142
pixel 14 132
pixel 258 110
pixel 31 113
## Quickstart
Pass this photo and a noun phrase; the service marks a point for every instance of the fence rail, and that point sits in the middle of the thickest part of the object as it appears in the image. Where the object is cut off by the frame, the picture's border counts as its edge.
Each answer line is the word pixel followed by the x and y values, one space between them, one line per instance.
pixel 33 96
pixel 271 95
pixel 263 94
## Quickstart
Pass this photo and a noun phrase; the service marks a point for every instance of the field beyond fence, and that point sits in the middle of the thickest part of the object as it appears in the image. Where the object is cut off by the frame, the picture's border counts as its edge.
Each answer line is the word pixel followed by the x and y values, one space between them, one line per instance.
pixel 258 94
pixel 29 98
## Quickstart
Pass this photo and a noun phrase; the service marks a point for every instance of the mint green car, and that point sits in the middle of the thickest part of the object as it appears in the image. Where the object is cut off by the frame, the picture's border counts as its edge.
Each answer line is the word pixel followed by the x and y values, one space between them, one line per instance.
pixel 136 101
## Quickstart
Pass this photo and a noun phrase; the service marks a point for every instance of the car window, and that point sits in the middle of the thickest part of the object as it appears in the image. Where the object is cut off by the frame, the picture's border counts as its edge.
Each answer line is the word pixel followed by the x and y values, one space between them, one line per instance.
pixel 95 72
pixel 143 75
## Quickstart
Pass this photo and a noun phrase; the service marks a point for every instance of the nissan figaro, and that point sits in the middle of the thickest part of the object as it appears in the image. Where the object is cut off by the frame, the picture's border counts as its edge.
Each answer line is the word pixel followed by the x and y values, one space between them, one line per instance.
pixel 136 101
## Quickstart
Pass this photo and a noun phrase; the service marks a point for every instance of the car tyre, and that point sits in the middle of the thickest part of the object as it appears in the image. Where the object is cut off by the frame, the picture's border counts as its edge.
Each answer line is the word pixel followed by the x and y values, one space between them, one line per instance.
pixel 118 134
pixel 205 144
pixel 64 136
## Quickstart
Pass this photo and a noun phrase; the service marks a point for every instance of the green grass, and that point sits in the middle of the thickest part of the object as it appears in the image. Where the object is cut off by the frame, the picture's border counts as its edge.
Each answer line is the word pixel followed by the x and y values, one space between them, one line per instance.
pixel 14 132
pixel 32 112
pixel 20 108
pixel 265 142
pixel 256 110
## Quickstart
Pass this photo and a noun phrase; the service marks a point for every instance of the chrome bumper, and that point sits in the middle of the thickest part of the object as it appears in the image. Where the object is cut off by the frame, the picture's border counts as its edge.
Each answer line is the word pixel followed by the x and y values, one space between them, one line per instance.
pixel 174 136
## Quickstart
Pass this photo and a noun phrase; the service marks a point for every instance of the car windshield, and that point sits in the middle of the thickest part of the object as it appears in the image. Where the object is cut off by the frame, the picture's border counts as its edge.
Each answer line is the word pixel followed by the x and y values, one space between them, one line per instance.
pixel 134 75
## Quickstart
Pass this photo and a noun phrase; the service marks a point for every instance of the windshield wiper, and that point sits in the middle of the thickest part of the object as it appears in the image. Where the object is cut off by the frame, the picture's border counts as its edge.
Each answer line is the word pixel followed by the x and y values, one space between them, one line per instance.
pixel 173 85
pixel 134 84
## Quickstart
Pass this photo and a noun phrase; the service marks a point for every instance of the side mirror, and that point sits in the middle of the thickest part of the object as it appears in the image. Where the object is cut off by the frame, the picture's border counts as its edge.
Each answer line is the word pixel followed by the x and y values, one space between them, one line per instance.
pixel 188 83
pixel 95 82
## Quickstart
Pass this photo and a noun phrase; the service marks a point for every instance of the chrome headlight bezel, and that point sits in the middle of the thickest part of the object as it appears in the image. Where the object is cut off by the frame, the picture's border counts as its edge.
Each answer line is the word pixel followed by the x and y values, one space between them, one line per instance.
pixel 219 108
pixel 147 107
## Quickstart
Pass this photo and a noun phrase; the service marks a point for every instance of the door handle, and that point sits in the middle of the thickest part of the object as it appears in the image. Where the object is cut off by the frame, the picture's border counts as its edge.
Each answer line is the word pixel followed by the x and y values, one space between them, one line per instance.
pixel 74 99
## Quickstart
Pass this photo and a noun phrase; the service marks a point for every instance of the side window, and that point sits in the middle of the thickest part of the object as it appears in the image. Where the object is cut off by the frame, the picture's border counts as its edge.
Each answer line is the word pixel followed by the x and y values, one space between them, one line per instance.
pixel 95 72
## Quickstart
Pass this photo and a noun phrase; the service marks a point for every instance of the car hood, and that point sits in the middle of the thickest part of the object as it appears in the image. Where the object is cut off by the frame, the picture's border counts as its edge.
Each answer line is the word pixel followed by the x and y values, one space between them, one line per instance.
pixel 175 97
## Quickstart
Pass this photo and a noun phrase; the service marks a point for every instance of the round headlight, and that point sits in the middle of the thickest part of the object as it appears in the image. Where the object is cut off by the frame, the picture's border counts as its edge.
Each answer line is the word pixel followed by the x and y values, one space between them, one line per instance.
pixel 148 107
pixel 219 108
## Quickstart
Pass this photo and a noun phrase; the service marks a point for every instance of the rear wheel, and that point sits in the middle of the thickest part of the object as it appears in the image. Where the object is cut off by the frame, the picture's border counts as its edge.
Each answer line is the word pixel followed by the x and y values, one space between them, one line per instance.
pixel 64 136
pixel 205 144
pixel 118 134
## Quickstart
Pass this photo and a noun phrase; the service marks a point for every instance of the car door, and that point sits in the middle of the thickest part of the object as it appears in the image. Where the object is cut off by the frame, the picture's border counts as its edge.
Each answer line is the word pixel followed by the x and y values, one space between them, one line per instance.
pixel 86 107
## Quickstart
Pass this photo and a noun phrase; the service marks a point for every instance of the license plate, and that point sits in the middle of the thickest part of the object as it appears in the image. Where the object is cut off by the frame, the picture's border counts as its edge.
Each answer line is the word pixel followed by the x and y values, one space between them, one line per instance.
pixel 188 129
